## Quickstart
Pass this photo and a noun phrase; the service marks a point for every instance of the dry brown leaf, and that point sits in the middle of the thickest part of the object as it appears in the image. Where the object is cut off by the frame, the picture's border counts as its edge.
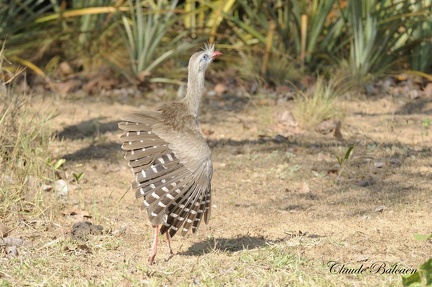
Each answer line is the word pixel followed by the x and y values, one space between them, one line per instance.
pixel 4 230
pixel 304 188
pixel 428 90
pixel 67 86
pixel 207 132
pixel 220 88
pixel 75 212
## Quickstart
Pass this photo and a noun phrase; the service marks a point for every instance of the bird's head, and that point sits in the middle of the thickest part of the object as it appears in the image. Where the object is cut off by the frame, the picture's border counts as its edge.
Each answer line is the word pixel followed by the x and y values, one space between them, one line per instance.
pixel 200 60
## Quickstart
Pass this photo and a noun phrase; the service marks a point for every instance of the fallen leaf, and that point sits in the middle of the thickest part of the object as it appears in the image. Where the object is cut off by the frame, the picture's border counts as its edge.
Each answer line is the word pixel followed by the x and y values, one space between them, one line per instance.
pixel 402 77
pixel 207 132
pixel 4 230
pixel 67 86
pixel 76 213
pixel 304 188
pixel 220 89
pixel 428 90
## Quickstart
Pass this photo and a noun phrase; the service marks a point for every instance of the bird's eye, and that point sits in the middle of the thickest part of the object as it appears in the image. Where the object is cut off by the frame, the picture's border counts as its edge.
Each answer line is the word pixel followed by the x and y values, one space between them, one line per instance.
pixel 205 57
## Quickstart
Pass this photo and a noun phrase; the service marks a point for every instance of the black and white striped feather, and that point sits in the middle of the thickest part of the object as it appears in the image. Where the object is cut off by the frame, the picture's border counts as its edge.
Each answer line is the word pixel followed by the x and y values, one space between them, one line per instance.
pixel 172 171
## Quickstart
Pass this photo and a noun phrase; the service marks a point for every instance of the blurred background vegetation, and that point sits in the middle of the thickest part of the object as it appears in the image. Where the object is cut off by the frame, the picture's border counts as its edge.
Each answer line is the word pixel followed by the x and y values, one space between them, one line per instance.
pixel 317 50
pixel 276 42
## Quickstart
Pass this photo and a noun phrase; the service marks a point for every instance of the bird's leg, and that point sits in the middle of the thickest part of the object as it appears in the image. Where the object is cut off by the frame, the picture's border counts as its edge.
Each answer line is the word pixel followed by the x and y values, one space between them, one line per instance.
pixel 168 240
pixel 155 242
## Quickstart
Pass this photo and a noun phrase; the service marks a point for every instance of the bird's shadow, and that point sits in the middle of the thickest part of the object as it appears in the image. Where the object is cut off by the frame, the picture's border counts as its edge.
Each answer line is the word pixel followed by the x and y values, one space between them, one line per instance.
pixel 226 245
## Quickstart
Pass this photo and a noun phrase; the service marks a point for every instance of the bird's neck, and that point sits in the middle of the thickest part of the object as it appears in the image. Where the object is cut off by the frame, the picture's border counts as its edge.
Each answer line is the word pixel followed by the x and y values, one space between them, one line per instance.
pixel 194 91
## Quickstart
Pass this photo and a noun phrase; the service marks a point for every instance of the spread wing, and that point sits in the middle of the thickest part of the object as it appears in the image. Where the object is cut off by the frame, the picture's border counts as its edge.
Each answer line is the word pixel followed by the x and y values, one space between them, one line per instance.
pixel 172 171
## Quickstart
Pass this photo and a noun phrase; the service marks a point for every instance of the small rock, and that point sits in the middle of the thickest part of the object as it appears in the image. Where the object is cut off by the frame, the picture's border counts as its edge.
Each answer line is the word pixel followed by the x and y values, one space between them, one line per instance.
pixel 387 83
pixel 113 168
pixel 279 138
pixel 366 217
pixel 370 89
pixel 11 250
pixel 211 93
pixel 65 69
pixel 327 126
pixel 82 229
pixel 379 164
pixel 379 208
pixel 365 183
pixel 61 187
pixel 394 160
pixel 287 119
pixel 413 94
pixel 121 230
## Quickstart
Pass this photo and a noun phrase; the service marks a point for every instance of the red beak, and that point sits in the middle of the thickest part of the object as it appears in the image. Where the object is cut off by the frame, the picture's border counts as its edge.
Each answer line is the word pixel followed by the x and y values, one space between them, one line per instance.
pixel 216 54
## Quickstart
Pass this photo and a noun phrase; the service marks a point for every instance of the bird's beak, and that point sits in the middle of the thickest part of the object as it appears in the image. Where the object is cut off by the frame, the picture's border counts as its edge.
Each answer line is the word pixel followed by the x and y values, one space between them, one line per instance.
pixel 216 54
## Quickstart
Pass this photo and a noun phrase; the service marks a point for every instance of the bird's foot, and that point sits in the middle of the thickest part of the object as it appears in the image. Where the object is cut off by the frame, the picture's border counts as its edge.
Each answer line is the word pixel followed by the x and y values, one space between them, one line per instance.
pixel 171 255
pixel 151 259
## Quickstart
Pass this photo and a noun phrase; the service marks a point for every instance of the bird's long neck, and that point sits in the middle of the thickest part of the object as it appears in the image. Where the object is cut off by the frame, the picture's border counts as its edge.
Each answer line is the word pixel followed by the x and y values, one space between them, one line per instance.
pixel 194 91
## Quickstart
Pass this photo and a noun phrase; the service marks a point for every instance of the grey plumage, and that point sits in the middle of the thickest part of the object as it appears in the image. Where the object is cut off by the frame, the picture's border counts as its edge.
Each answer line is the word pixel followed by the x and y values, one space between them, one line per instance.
pixel 170 158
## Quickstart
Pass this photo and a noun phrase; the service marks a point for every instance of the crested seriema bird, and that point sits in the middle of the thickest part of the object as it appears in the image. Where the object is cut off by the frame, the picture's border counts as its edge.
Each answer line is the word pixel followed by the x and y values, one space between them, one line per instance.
pixel 170 158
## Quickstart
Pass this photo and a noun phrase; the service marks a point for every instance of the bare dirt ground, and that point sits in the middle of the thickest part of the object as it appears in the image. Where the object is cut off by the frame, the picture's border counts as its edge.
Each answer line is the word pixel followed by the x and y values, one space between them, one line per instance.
pixel 279 212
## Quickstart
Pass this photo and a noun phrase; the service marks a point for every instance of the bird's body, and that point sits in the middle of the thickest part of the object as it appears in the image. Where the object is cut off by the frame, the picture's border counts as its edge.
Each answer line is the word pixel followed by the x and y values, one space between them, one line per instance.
pixel 170 158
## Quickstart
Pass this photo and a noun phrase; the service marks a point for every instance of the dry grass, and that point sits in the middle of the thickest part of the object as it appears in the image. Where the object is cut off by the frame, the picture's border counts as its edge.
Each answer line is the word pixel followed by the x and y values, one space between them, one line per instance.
pixel 318 103
pixel 277 216
pixel 24 153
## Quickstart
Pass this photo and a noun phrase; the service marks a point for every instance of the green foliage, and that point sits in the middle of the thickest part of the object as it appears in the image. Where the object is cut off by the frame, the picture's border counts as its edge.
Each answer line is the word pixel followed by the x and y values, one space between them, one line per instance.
pixel 422 237
pixel 380 33
pixel 24 36
pixel 421 54
pixel 202 16
pixel 372 36
pixel 56 164
pixel 78 176
pixel 145 33
pixel 422 278
pixel 344 160
pixel 426 125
